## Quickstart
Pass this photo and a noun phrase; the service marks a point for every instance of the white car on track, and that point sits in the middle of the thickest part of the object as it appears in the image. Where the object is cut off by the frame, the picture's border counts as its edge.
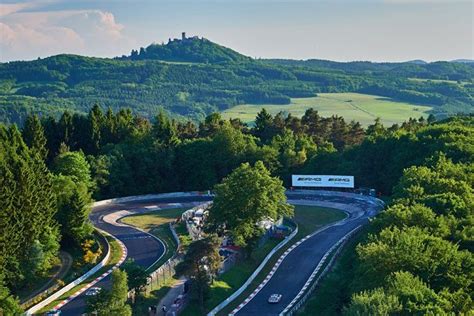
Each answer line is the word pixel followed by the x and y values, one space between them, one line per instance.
pixel 274 298
pixel 93 291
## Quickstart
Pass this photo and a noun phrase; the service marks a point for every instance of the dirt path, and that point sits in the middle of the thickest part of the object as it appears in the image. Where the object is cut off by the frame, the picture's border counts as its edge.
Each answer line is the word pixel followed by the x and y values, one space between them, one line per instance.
pixel 66 263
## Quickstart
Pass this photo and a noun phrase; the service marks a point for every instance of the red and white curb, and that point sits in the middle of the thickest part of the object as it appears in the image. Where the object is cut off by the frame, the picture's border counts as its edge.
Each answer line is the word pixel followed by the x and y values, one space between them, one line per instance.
pixel 269 276
pixel 277 264
pixel 123 248
pixel 316 270
pixel 99 278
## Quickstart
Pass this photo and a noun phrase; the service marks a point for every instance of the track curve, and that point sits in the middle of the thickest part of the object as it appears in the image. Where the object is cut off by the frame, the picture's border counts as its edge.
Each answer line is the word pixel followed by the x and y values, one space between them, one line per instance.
pixel 297 266
pixel 146 250
pixel 141 247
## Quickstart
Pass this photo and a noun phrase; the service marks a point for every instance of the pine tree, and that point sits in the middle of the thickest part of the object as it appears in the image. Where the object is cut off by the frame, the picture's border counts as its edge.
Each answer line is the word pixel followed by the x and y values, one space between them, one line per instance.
pixel 376 129
pixel 109 128
pixel 27 208
pixel 165 130
pixel 263 125
pixel 65 128
pixel 33 135
pixel 78 225
pixel 96 122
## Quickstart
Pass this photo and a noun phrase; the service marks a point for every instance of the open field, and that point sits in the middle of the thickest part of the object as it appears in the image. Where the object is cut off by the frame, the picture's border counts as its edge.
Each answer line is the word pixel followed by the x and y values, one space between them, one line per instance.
pixel 363 108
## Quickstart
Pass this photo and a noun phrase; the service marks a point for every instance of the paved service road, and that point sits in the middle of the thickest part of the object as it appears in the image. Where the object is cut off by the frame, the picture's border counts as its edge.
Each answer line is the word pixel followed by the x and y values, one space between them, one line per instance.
pixel 298 265
pixel 143 248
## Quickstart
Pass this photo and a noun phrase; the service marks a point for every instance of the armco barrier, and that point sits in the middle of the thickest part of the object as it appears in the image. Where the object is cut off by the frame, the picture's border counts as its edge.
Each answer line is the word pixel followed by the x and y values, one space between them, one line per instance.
pixel 371 200
pixel 71 285
pixel 310 285
pixel 253 276
pixel 149 197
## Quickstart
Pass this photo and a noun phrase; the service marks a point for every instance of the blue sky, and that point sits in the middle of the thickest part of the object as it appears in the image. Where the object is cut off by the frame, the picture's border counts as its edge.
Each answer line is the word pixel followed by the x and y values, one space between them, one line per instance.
pixel 377 30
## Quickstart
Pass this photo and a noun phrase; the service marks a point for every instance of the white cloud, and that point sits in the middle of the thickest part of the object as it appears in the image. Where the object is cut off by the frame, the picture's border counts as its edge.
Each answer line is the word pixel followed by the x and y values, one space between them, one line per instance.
pixel 9 8
pixel 44 33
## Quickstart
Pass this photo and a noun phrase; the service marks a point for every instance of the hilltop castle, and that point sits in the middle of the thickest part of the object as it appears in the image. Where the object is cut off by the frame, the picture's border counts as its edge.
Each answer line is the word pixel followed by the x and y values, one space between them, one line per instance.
pixel 184 38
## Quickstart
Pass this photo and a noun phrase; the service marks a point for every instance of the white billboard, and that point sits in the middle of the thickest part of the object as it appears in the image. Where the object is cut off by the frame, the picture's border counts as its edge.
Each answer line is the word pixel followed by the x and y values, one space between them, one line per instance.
pixel 322 181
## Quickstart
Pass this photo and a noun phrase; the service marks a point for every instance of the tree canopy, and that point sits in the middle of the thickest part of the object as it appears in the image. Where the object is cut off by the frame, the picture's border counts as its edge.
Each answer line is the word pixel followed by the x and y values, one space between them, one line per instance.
pixel 246 197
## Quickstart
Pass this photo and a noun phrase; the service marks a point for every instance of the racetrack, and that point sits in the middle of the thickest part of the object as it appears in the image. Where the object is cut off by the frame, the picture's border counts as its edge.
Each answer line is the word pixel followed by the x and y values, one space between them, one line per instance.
pixel 142 247
pixel 297 266
pixel 288 279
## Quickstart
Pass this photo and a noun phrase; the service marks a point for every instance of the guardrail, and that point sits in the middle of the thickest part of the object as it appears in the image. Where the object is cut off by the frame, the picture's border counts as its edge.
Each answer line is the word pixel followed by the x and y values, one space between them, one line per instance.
pixel 96 268
pixel 150 197
pixel 227 301
pixel 71 285
pixel 310 286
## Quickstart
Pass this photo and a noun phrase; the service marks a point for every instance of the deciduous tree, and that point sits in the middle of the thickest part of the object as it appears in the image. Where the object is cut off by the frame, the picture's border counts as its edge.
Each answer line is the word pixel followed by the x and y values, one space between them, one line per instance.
pixel 243 199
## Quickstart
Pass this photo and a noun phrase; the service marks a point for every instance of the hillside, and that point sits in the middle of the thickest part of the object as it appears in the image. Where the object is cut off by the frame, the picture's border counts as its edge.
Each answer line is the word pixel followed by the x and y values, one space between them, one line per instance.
pixel 194 77
pixel 192 49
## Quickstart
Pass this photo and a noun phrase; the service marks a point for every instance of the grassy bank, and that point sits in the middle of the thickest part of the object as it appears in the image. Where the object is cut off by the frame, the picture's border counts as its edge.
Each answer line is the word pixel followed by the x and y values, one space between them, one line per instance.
pixel 115 254
pixel 157 224
pixel 308 218
pixel 363 108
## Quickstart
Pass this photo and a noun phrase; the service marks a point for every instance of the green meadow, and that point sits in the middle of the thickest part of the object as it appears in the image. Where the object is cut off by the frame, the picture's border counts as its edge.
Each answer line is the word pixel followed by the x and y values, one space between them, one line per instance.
pixel 352 106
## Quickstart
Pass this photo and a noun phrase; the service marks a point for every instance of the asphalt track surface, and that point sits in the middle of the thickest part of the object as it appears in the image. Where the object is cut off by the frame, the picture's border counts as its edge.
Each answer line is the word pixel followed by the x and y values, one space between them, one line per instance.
pixel 289 278
pixel 298 265
pixel 143 248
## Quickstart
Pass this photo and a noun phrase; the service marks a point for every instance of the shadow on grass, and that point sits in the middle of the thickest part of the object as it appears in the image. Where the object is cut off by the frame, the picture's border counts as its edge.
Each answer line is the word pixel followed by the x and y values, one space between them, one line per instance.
pixel 145 300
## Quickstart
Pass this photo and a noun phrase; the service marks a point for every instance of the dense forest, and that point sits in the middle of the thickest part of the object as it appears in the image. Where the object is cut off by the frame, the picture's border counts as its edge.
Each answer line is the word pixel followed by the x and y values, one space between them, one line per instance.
pixel 416 257
pixel 194 77
pixel 50 169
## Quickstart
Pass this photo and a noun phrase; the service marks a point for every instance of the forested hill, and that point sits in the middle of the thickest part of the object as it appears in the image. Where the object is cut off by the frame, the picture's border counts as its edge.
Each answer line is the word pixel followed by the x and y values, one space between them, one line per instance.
pixel 194 77
pixel 191 49
pixel 441 70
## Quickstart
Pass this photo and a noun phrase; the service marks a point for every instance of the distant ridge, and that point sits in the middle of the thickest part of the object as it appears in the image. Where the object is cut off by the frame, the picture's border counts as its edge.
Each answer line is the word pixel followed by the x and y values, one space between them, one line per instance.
pixel 192 77
pixel 463 61
pixel 188 49
pixel 417 62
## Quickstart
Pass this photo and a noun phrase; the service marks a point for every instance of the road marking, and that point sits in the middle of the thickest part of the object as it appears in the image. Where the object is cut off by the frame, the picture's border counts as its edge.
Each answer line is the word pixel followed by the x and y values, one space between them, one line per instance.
pixel 93 282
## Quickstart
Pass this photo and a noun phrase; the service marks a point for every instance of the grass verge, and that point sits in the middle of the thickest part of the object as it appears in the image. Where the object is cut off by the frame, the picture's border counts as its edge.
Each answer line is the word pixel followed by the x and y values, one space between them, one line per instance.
pixel 157 224
pixel 308 218
pixel 115 254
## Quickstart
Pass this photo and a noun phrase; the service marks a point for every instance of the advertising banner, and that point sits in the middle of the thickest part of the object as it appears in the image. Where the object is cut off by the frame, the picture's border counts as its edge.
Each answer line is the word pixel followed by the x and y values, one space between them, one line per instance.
pixel 322 181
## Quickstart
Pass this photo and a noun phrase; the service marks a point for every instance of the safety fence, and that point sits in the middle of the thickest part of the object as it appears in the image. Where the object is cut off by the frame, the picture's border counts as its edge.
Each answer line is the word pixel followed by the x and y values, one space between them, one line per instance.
pixel 163 273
